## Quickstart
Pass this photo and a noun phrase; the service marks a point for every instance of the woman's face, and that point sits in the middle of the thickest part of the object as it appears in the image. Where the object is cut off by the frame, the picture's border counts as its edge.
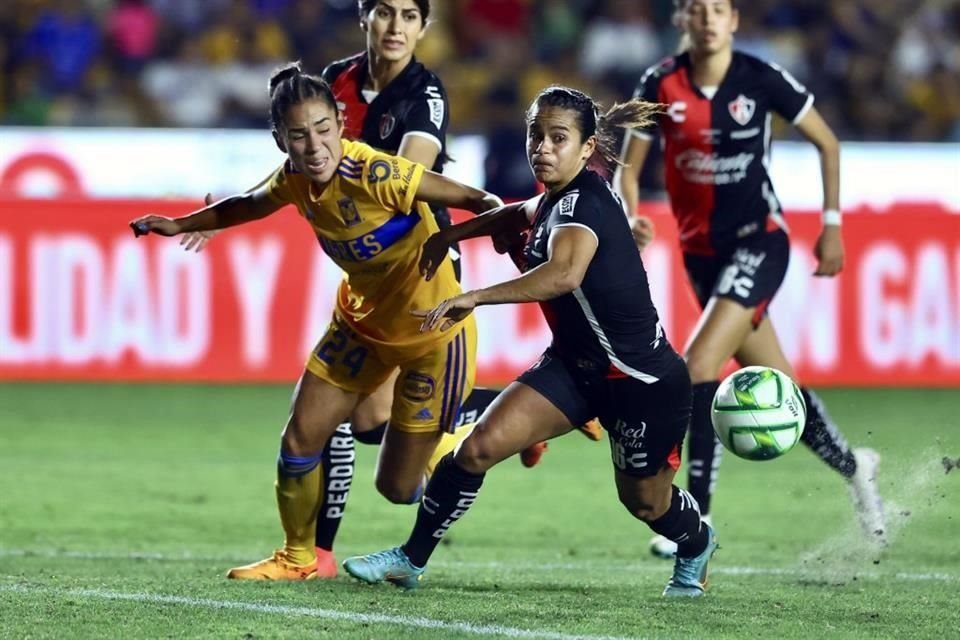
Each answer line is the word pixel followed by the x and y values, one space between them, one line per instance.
pixel 311 135
pixel 393 29
pixel 556 150
pixel 710 24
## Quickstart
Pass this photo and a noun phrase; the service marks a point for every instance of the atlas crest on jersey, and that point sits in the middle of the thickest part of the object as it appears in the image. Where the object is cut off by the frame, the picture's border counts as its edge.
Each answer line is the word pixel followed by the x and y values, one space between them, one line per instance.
pixel 387 124
pixel 742 109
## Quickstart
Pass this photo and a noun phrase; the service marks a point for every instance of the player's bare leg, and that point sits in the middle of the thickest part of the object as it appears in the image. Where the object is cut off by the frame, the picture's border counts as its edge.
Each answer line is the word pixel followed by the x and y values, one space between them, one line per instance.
pixel 317 408
pixel 367 424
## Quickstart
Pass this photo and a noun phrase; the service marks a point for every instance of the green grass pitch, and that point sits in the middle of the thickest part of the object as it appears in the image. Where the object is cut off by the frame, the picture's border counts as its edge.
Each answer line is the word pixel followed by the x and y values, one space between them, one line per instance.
pixel 121 507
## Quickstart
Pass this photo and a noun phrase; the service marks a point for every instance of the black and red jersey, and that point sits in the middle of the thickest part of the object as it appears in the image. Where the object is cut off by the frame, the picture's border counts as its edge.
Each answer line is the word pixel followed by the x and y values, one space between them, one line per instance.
pixel 608 326
pixel 414 103
pixel 717 148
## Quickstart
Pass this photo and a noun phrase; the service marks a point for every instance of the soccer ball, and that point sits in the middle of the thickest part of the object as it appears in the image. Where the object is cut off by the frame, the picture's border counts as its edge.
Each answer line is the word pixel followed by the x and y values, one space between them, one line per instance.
pixel 758 413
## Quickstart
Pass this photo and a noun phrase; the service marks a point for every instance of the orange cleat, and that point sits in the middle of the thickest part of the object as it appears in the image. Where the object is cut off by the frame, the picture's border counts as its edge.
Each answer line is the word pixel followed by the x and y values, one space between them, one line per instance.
pixel 276 567
pixel 326 564
pixel 530 456
pixel 592 430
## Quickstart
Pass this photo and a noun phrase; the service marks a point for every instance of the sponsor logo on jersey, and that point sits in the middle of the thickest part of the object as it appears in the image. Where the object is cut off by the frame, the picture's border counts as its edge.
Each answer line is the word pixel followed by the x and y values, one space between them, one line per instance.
pixel 387 124
pixel 677 111
pixel 568 203
pixel 742 109
pixel 437 108
pixel 711 168
pixel 418 387
pixel 348 211
pixel 379 170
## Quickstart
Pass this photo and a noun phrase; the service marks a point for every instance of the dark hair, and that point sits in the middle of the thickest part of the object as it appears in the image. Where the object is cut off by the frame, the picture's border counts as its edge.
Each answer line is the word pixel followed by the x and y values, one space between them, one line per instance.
pixel 366 6
pixel 289 85
pixel 590 121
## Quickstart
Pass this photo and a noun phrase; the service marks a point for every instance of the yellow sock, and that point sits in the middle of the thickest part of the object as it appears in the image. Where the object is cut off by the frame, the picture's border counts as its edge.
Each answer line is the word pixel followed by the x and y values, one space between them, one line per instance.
pixel 448 442
pixel 298 500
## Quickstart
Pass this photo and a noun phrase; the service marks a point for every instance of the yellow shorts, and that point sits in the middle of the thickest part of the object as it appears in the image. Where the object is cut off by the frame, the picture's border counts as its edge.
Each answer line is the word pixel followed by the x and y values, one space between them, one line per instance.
pixel 431 387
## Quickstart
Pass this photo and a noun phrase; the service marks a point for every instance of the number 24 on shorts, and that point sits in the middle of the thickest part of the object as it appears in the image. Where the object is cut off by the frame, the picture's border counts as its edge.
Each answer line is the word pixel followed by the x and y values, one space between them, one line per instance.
pixel 330 352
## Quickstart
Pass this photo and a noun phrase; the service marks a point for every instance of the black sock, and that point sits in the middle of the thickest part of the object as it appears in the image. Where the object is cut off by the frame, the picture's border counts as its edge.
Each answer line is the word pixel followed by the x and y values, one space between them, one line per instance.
pixel 823 437
pixel 337 460
pixel 681 523
pixel 704 450
pixel 449 494
pixel 373 436
pixel 475 404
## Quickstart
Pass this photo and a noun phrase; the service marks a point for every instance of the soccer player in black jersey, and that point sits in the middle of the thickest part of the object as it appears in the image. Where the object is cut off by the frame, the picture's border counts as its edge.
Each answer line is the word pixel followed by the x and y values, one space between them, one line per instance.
pixel 715 132
pixel 608 358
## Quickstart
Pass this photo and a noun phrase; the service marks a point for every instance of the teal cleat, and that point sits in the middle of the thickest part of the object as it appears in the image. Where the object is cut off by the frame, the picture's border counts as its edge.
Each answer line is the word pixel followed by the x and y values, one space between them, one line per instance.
pixel 391 566
pixel 689 579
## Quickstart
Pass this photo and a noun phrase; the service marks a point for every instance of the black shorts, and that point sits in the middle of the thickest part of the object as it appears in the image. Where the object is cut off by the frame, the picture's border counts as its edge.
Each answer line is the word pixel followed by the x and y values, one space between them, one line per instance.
pixel 750 275
pixel 646 423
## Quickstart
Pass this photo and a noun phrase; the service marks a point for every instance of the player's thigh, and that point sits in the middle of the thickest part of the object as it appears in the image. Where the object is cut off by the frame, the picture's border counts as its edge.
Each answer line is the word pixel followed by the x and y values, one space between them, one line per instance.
pixel 762 347
pixel 374 408
pixel 722 328
pixel 519 417
pixel 342 368
pixel 317 408
pixel 544 402
pixel 646 423
pixel 427 396
pixel 741 287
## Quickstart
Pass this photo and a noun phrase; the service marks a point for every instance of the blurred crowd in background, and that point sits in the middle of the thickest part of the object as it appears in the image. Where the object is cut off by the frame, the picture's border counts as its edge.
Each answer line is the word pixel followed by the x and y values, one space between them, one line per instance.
pixel 881 69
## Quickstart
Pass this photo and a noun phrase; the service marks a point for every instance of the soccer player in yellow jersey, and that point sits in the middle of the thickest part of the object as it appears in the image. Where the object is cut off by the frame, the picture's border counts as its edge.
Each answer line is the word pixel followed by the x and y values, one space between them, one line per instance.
pixel 368 211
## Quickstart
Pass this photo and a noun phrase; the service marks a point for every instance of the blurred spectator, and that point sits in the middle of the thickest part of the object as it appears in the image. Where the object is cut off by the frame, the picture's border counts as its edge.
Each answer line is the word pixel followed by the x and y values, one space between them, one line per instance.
pixel 65 39
pixel 881 69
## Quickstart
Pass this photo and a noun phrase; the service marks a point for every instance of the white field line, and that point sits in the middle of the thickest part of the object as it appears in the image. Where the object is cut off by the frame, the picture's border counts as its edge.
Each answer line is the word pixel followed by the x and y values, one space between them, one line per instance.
pixel 547 567
pixel 310 612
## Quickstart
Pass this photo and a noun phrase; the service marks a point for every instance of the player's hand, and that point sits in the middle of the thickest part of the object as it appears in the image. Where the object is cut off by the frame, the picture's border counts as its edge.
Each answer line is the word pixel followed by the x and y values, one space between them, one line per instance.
pixel 447 313
pixel 197 240
pixel 829 251
pixel 155 224
pixel 643 231
pixel 434 252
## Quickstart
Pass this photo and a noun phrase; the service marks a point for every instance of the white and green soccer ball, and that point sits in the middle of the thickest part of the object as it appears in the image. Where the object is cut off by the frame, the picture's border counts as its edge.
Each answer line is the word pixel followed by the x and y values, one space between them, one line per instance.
pixel 758 413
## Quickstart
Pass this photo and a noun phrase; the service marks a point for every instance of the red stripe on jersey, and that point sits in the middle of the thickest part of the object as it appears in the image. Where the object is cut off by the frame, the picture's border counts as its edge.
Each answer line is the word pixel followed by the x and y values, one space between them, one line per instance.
pixel 346 89
pixel 615 374
pixel 673 460
pixel 687 150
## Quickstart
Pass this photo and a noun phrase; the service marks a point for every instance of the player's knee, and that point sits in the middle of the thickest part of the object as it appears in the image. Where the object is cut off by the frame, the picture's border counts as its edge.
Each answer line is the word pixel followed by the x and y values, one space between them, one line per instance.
pixel 398 492
pixel 299 438
pixel 647 504
pixel 702 368
pixel 369 416
pixel 476 454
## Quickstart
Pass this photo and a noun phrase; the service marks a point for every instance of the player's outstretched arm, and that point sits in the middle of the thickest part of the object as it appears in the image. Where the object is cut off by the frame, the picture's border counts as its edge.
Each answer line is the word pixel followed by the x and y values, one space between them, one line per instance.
pixel 505 219
pixel 229 212
pixel 435 188
pixel 829 248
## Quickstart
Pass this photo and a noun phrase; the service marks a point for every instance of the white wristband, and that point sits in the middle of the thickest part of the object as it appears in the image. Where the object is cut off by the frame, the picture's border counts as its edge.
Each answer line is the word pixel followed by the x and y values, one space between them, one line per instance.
pixel 832 217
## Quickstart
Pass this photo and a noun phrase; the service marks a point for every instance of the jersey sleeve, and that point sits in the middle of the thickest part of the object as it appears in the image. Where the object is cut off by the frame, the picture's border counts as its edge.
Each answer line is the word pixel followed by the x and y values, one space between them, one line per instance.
pixel 788 97
pixel 392 181
pixel 647 90
pixel 277 186
pixel 579 209
pixel 429 116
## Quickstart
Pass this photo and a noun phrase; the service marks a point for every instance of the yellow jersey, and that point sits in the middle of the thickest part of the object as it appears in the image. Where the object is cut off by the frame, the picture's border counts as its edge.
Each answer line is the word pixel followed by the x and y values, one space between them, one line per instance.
pixel 367 221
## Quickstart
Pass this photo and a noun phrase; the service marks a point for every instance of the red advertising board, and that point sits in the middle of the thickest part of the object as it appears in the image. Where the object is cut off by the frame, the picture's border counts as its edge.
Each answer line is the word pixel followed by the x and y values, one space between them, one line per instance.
pixel 81 299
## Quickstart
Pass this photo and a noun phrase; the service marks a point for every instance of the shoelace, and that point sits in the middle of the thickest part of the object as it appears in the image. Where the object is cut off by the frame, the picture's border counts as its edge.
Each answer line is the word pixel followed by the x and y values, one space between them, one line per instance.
pixel 389 557
pixel 686 571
